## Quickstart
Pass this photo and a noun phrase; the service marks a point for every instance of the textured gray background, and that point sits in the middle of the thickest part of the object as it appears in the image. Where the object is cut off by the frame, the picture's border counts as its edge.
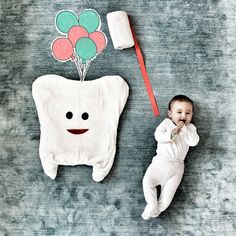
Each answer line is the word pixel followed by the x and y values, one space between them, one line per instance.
pixel 189 48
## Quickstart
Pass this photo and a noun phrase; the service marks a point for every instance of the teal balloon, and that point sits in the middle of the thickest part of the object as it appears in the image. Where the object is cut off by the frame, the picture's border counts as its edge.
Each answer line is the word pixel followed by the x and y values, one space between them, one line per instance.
pixel 90 20
pixel 85 49
pixel 65 20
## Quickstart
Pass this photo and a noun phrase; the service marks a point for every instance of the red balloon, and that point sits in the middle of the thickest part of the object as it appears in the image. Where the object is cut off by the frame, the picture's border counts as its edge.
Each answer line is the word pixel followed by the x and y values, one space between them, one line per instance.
pixel 76 32
pixel 62 49
pixel 99 39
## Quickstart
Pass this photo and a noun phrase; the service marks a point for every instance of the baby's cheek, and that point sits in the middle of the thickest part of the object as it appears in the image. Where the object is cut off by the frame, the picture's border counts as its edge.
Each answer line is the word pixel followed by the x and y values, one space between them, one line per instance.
pixel 188 120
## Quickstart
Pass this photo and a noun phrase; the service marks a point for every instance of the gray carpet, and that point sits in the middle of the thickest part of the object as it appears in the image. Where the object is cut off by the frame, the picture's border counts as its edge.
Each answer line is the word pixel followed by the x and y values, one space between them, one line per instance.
pixel 189 48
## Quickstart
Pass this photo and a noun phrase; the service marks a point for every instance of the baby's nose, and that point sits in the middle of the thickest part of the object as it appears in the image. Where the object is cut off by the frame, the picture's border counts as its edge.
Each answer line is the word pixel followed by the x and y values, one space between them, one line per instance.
pixel 183 116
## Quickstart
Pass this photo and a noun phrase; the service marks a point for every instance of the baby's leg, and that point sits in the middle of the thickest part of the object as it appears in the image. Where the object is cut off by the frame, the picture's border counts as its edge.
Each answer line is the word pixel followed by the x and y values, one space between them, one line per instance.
pixel 150 192
pixel 149 187
pixel 168 190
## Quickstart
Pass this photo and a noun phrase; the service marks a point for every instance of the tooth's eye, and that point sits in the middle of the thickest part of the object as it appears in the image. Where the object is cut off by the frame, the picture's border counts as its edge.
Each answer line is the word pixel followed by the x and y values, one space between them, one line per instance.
pixel 85 116
pixel 69 115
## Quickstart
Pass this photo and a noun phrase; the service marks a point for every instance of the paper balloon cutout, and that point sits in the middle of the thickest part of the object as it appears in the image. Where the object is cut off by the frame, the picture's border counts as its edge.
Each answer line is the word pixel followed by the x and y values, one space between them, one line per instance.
pixel 62 49
pixel 85 49
pixel 99 39
pixel 77 32
pixel 83 39
pixel 90 20
pixel 65 20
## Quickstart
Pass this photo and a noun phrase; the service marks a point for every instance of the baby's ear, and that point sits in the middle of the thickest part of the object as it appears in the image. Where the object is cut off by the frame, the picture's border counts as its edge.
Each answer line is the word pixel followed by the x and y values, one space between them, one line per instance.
pixel 169 114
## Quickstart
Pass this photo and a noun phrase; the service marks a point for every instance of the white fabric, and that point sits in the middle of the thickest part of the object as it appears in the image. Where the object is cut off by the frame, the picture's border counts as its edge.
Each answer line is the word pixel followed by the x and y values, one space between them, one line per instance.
pixel 167 166
pixel 102 99
pixel 120 31
pixel 176 150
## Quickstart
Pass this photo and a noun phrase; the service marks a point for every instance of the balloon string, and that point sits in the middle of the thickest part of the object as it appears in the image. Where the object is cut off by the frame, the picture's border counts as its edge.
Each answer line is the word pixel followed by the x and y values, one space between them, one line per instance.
pixel 145 74
pixel 79 69
pixel 81 66
pixel 86 69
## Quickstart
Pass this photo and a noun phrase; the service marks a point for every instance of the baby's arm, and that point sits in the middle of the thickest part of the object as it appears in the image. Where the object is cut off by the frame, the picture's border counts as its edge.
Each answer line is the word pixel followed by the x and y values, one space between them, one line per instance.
pixel 162 134
pixel 190 135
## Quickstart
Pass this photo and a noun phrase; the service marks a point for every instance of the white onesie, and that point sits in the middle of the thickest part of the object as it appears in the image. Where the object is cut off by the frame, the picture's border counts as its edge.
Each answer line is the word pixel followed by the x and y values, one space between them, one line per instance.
pixel 167 166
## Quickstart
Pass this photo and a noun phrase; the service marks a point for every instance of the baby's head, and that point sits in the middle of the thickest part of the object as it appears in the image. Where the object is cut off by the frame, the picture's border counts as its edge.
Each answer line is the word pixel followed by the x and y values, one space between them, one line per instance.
pixel 180 108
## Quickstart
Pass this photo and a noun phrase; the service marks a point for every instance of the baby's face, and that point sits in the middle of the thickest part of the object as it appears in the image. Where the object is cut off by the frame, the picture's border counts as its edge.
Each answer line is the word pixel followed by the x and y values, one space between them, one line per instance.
pixel 181 111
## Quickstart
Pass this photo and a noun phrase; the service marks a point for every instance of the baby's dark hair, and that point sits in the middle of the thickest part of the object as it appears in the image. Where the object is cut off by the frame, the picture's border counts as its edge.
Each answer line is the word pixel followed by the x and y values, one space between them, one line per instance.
pixel 179 98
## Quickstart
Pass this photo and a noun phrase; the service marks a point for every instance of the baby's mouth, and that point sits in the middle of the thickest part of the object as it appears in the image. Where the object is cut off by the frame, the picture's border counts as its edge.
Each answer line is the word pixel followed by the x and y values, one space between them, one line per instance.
pixel 77 131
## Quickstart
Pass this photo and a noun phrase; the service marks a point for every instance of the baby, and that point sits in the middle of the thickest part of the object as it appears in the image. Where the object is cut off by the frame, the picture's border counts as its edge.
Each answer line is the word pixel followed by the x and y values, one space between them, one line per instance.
pixel 174 136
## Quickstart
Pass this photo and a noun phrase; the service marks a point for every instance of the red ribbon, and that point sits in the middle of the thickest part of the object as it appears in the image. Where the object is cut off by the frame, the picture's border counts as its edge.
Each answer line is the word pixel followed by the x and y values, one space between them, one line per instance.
pixel 145 75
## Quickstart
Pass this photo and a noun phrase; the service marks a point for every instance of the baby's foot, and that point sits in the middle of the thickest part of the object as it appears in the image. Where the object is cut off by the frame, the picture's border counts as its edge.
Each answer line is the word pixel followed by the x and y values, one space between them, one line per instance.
pixel 145 216
pixel 150 211
pixel 156 214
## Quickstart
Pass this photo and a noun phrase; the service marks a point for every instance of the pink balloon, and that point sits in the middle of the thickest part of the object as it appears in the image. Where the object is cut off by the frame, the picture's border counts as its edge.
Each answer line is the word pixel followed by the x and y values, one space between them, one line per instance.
pixel 99 39
pixel 76 32
pixel 62 49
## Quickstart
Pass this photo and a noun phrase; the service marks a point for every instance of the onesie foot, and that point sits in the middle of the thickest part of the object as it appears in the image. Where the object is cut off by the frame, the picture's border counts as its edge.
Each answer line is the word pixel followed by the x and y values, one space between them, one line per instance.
pixel 150 212
pixel 145 216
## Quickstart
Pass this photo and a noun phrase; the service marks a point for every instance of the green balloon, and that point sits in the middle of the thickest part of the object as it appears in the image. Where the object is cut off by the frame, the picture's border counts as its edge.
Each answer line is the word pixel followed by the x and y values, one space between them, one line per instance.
pixel 90 20
pixel 85 49
pixel 65 20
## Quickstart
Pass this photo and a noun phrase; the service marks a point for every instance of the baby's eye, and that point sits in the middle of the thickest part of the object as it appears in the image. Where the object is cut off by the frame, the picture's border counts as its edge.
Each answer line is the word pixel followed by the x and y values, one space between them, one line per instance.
pixel 69 115
pixel 85 116
pixel 179 112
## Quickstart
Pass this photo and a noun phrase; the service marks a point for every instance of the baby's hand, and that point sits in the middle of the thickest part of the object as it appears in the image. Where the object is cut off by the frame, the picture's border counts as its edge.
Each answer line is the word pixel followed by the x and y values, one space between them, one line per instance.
pixel 180 124
pixel 178 127
pixel 177 130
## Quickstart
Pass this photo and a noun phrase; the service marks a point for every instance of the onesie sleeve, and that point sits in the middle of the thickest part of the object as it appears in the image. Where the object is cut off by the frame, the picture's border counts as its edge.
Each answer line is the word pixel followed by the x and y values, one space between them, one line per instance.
pixel 162 133
pixel 190 135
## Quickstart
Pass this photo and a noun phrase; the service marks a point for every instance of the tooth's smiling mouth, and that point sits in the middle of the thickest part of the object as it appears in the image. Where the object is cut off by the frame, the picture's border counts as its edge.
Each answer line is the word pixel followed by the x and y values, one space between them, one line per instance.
pixel 77 131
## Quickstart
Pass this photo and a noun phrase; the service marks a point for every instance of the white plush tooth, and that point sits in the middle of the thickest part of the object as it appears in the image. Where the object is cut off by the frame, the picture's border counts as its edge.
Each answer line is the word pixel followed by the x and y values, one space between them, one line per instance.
pixel 95 107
